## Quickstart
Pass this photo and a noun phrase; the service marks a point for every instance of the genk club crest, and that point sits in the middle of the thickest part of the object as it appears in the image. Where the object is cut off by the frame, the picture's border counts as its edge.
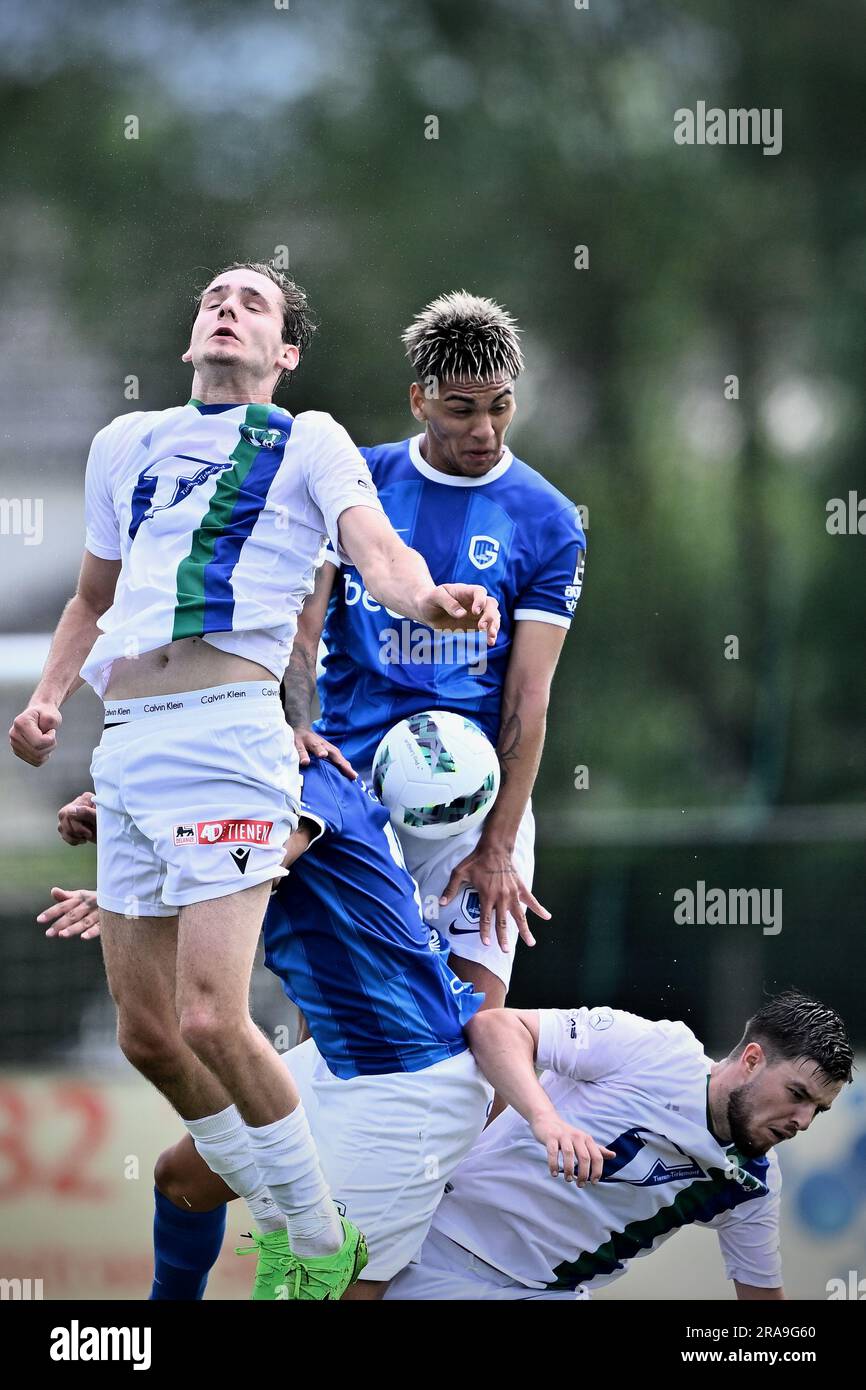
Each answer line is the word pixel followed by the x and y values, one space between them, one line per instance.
pixel 483 551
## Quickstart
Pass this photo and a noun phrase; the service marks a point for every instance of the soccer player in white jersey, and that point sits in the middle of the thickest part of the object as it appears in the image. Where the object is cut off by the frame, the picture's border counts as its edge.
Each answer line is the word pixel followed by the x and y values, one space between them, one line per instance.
pixel 205 524
pixel 458 494
pixel 675 1138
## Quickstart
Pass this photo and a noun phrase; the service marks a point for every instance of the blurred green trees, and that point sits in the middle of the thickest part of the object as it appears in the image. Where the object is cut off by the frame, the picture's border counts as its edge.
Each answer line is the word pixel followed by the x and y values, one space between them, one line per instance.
pixel 305 128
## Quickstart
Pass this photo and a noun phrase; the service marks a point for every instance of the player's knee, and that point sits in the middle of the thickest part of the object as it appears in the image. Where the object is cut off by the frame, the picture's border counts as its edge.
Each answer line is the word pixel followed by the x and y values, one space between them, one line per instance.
pixel 182 1176
pixel 202 1028
pixel 167 1176
pixel 148 1044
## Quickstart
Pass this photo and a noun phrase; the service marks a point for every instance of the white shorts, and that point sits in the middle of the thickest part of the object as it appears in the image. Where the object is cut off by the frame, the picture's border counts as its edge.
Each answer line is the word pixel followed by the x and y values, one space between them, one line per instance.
pixel 430 863
pixel 196 796
pixel 388 1144
pixel 445 1271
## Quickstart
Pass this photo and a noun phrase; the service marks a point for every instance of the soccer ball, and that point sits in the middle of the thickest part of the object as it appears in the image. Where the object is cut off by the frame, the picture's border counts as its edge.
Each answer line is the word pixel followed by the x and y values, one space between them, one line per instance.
pixel 437 774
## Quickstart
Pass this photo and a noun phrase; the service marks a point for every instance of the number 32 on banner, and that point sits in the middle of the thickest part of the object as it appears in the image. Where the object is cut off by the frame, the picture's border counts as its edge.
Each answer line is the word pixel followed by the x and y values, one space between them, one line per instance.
pixel 23 1170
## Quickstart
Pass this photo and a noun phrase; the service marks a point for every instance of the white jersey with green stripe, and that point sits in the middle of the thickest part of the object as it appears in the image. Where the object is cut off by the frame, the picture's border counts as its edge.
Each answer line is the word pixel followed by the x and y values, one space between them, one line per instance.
pixel 639 1088
pixel 219 515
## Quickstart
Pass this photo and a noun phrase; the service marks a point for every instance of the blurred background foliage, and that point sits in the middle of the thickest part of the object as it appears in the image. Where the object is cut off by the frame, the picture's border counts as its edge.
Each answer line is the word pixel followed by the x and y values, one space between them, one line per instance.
pixel 305 127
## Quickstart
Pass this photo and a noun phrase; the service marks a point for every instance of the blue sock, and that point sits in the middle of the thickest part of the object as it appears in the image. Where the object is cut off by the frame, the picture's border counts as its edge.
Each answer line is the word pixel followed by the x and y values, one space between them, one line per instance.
pixel 186 1245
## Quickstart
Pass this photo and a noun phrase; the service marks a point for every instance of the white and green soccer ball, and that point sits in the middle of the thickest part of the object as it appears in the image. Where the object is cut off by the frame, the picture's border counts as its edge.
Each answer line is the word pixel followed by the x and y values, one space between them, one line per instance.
pixel 437 774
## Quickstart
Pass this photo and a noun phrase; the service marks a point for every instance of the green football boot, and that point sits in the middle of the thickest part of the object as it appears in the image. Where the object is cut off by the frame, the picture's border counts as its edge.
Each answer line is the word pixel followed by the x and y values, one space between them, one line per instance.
pixel 273 1251
pixel 282 1275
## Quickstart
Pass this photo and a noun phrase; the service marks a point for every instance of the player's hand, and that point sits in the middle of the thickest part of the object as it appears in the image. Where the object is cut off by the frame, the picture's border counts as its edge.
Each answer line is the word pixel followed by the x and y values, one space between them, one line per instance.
pixel 73 913
pixel 33 735
pixel 459 608
pixel 582 1158
pixel 501 890
pixel 311 745
pixel 76 821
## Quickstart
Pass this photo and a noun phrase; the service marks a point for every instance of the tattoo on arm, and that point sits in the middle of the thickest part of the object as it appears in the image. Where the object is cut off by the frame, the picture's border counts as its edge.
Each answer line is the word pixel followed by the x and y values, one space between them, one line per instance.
pixel 299 687
pixel 510 735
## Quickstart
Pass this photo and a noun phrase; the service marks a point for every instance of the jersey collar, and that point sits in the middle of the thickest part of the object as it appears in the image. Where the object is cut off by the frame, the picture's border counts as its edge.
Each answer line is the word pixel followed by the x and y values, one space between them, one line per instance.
pixel 216 409
pixel 451 479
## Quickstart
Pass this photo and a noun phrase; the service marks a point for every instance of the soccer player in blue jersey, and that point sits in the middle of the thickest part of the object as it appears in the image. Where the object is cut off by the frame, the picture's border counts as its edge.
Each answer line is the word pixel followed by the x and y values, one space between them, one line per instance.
pixel 457 494
pixel 393 1094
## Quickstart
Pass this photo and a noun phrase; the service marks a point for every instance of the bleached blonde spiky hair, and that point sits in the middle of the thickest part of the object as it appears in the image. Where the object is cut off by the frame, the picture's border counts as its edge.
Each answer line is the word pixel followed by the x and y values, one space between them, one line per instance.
pixel 463 336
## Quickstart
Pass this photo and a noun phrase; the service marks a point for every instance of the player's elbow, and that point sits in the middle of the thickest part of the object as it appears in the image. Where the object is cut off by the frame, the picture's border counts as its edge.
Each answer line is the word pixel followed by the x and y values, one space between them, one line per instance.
pixel 476 1031
pixel 476 1027
pixel 490 1028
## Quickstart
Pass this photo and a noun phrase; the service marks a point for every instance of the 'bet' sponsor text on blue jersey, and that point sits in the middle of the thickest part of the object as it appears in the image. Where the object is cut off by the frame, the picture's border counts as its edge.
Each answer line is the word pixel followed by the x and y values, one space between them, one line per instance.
pixel 511 531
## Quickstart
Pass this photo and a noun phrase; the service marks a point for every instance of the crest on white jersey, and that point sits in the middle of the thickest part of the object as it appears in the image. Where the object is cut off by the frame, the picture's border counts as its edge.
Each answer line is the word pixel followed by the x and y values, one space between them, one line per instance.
pixel 264 439
pixel 645 1159
pixel 159 491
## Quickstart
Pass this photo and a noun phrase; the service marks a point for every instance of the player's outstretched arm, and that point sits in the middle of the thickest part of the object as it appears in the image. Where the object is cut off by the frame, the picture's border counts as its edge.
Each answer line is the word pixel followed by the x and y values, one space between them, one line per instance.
pixel 399 579
pixel 504 1043
pixel 33 735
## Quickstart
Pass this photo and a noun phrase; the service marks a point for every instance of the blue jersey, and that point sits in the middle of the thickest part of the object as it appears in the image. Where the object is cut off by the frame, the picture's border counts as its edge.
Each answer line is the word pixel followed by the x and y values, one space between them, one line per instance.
pixel 511 531
pixel 345 935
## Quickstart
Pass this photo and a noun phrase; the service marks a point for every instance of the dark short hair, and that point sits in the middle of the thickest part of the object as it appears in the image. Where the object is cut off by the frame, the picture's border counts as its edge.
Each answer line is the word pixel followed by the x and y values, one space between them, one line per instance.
pixel 791 1026
pixel 298 322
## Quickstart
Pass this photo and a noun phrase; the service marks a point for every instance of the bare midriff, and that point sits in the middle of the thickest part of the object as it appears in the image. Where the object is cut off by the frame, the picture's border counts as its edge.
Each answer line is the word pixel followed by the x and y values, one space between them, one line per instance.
pixel 187 664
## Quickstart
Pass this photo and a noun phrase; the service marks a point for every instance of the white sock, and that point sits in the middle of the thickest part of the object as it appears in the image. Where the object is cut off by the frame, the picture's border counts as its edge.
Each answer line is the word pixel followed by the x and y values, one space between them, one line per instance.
pixel 286 1157
pixel 224 1144
pixel 265 1212
pixel 316 1230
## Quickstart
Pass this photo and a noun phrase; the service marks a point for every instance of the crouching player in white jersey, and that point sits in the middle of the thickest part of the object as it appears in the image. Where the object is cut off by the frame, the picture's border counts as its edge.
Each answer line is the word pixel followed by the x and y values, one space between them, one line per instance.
pixel 205 523
pixel 685 1139
pixel 459 496
pixel 394 1096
